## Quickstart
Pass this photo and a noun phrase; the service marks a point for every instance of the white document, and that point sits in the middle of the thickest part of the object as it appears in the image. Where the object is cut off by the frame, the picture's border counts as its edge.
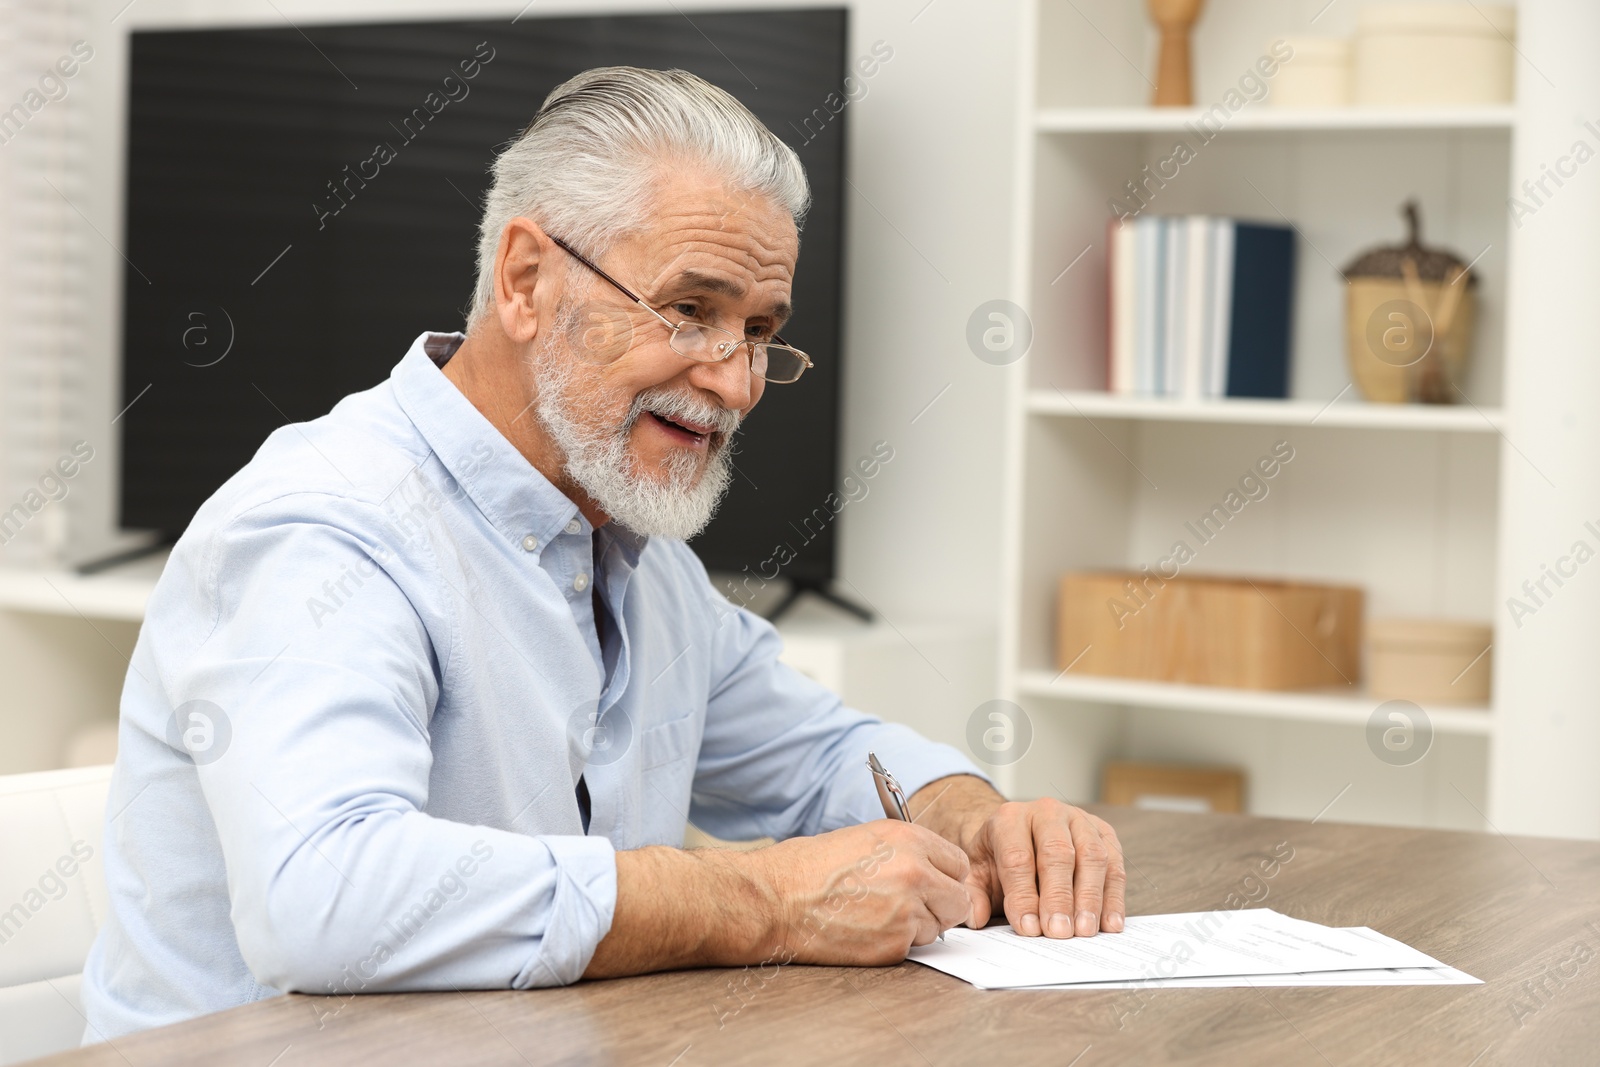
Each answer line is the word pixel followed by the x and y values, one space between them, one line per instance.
pixel 1254 942
pixel 1387 976
pixel 1440 975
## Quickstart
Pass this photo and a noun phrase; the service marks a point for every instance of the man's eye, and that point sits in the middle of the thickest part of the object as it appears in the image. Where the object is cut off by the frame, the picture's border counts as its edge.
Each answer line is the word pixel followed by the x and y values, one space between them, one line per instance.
pixel 688 311
pixel 758 333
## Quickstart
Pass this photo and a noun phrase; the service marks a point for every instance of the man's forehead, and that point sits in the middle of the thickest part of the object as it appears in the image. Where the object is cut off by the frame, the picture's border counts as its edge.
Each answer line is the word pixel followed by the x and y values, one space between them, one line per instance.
pixel 720 252
pixel 698 219
pixel 718 244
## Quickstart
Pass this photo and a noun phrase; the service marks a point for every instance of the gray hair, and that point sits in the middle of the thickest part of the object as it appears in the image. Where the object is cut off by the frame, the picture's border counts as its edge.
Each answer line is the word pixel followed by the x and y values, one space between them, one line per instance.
pixel 588 163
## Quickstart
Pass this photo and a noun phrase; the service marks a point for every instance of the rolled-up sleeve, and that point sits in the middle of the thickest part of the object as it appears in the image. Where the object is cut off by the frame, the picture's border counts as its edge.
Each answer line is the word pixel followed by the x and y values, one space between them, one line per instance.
pixel 339 880
pixel 783 756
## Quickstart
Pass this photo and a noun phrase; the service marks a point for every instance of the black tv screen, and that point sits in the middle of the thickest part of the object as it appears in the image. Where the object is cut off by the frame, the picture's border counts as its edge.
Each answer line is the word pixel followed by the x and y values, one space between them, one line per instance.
pixel 262 285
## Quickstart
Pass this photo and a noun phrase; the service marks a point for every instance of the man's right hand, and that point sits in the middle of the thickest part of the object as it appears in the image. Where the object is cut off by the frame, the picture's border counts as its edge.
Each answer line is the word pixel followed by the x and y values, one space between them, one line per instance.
pixel 860 896
pixel 863 895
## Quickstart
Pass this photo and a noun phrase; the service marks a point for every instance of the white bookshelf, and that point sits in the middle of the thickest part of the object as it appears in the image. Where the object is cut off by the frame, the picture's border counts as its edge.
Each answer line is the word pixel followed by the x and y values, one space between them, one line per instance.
pixel 1262 118
pixel 1341 708
pixel 1403 500
pixel 1099 404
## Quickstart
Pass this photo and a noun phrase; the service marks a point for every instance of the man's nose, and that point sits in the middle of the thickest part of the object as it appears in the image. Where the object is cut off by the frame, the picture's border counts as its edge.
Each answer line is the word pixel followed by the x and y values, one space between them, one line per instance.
pixel 728 378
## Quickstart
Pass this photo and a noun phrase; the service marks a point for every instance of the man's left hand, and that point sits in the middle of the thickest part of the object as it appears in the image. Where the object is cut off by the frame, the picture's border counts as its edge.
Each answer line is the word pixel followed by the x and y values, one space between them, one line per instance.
pixel 1053 869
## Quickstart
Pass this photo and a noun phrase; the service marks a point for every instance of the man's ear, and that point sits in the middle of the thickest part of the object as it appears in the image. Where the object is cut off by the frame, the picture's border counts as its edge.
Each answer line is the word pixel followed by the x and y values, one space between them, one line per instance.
pixel 517 274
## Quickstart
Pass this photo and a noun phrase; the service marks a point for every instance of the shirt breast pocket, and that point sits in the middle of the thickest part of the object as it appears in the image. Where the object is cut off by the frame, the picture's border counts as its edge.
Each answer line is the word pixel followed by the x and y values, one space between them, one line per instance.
pixel 670 742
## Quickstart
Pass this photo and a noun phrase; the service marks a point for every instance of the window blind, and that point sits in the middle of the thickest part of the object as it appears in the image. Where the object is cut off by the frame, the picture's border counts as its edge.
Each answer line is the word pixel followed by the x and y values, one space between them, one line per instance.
pixel 43 300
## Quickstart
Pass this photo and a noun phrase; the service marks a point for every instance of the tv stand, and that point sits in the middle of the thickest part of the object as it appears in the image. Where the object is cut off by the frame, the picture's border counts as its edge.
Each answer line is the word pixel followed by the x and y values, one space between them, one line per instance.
pixel 117 559
pixel 799 587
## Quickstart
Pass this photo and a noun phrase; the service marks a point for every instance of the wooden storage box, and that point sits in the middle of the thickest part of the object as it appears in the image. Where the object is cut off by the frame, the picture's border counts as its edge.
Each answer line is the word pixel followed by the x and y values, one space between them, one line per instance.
pixel 1429 661
pixel 1166 787
pixel 1235 632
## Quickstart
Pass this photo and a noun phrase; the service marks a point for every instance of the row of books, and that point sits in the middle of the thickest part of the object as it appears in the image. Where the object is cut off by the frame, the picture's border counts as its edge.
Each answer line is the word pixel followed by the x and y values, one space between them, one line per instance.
pixel 1200 307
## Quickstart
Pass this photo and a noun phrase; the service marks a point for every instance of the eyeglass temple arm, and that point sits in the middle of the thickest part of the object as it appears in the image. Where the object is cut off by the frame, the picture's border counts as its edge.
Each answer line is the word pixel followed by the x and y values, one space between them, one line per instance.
pixel 623 289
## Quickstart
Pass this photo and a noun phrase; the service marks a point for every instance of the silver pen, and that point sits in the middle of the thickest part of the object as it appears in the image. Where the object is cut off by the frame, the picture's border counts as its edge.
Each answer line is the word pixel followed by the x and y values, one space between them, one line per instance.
pixel 890 795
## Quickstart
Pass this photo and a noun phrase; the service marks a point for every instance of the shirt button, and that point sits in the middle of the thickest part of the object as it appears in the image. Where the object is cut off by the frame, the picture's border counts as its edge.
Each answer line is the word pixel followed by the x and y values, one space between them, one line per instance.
pixel 581 582
pixel 530 543
pixel 573 526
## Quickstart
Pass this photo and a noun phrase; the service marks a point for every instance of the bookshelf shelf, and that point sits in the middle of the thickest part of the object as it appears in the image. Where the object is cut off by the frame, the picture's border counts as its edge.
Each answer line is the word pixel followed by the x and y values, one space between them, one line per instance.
pixel 1350 710
pixel 1264 119
pixel 1344 413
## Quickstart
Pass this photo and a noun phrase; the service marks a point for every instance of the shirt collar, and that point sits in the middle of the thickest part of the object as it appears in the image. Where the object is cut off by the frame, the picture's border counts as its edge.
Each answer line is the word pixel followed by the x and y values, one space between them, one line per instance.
pixel 516 498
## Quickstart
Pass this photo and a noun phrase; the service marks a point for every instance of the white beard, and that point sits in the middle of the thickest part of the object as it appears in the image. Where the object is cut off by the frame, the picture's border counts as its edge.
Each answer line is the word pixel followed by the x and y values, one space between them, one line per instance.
pixel 676 505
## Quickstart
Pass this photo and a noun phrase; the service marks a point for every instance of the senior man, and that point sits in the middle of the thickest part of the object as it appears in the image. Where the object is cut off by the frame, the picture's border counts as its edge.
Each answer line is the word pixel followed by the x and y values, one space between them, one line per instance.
pixel 430 689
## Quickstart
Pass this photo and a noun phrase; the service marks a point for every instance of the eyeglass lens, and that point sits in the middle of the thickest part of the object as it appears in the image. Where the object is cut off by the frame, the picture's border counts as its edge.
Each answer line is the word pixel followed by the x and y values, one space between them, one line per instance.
pixel 774 363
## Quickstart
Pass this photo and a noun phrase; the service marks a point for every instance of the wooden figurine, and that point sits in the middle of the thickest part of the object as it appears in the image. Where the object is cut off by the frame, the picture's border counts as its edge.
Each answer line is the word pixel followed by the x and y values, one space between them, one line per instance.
pixel 1174 81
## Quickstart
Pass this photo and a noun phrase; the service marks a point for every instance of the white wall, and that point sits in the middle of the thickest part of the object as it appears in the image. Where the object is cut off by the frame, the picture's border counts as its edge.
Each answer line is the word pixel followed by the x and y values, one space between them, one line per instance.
pixel 930 149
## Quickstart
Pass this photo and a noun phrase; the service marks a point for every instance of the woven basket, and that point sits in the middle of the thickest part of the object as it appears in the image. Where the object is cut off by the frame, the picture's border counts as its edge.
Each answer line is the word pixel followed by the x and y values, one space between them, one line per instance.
pixel 1397 353
pixel 1409 316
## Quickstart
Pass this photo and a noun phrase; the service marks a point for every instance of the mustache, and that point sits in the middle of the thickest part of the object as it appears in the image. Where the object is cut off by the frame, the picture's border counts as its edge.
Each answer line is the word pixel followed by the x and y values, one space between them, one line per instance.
pixel 673 404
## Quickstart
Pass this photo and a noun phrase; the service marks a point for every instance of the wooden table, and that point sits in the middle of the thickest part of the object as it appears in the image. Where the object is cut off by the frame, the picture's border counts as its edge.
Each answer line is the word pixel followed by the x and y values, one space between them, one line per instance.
pixel 1523 914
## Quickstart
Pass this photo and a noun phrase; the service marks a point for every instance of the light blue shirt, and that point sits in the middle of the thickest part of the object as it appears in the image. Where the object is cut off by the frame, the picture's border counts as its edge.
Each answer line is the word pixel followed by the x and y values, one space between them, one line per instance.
pixel 367 684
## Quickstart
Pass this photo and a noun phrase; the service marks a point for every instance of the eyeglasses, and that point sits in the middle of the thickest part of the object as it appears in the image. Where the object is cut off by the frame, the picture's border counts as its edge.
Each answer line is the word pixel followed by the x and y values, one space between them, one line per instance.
pixel 775 361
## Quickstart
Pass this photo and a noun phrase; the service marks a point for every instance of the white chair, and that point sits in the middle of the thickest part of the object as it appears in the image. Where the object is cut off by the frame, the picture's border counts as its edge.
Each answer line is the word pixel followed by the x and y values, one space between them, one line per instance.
pixel 52 900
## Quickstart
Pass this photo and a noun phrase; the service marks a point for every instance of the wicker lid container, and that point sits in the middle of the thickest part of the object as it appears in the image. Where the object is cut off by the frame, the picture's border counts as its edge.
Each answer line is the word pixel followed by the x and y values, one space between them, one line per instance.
pixel 1434 55
pixel 1317 74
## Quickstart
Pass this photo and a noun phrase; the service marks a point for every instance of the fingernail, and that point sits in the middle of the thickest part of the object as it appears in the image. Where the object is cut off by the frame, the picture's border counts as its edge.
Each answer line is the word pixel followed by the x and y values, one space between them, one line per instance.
pixel 1088 923
pixel 1030 926
pixel 1114 923
pixel 1060 925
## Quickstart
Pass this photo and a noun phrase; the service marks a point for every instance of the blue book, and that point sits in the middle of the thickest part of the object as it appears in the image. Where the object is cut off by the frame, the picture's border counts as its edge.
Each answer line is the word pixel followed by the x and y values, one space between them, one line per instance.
pixel 1261 320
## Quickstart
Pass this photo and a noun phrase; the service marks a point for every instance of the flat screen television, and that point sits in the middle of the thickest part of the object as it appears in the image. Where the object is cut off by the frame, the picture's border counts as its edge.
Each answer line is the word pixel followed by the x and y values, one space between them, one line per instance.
pixel 261 286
